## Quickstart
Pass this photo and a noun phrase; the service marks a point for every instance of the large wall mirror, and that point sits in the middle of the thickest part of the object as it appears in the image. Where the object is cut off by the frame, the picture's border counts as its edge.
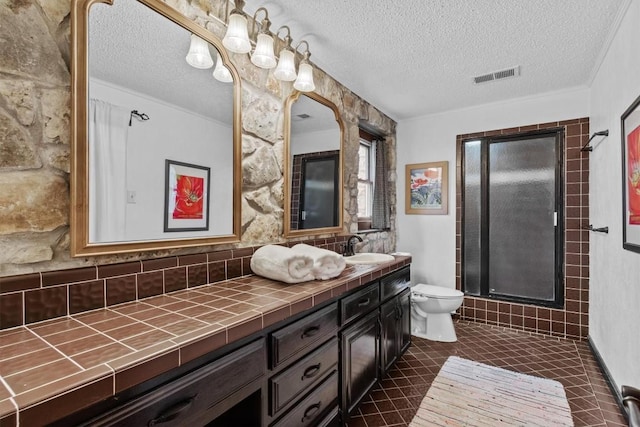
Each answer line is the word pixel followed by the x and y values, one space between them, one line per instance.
pixel 156 135
pixel 313 149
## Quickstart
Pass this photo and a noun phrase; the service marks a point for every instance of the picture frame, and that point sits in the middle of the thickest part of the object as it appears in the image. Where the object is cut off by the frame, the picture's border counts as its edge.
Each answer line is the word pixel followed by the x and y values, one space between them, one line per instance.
pixel 427 188
pixel 186 201
pixel 630 131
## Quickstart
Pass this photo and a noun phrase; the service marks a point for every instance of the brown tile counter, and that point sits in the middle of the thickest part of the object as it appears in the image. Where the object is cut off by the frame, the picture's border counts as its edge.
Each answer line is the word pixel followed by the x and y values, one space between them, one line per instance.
pixel 56 367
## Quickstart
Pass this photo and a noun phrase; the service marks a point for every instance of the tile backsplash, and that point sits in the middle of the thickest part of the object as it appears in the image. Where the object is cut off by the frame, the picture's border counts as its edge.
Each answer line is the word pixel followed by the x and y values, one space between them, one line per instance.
pixel 35 297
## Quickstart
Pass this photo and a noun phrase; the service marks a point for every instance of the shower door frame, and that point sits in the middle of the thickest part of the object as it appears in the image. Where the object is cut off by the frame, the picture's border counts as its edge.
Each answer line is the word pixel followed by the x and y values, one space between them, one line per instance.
pixel 558 134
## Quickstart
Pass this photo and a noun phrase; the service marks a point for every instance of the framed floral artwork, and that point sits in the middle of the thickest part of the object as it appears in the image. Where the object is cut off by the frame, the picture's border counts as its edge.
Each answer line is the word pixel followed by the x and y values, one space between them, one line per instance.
pixel 186 206
pixel 427 188
pixel 631 177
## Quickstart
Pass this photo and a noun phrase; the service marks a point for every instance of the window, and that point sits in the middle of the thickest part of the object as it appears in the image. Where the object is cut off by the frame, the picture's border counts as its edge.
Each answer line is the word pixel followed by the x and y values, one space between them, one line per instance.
pixel 512 208
pixel 366 178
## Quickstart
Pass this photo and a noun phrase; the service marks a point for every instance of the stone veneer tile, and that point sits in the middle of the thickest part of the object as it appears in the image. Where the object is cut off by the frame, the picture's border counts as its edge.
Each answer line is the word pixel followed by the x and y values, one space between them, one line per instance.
pixel 45 304
pixel 19 283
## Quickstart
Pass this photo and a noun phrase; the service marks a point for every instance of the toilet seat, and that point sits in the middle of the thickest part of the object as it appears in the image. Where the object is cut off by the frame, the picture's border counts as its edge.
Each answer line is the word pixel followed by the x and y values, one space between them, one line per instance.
pixel 433 291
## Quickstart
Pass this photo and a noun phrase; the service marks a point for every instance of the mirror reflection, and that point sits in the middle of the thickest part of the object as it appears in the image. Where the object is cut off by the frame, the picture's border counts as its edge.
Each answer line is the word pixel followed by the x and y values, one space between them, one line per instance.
pixel 160 142
pixel 315 143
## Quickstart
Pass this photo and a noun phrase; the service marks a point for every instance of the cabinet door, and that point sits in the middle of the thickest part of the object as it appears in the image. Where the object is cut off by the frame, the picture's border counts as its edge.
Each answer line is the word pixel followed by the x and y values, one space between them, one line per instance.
pixel 404 304
pixel 359 361
pixel 389 334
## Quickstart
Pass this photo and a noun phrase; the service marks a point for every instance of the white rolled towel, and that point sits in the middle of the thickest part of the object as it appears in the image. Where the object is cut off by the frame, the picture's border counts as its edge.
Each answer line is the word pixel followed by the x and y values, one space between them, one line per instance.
pixel 281 263
pixel 326 264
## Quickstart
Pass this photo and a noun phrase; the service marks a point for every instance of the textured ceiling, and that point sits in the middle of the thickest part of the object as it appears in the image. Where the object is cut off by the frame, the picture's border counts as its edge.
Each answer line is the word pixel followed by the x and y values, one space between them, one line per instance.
pixel 414 57
pixel 408 58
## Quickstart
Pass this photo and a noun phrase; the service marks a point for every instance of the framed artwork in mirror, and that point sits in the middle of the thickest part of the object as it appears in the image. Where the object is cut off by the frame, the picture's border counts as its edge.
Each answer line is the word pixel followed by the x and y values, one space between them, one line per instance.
pixel 427 188
pixel 186 203
pixel 631 177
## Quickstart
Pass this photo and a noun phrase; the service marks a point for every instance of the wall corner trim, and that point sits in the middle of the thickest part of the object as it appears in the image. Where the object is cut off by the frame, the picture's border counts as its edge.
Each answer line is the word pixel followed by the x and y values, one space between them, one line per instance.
pixel 615 390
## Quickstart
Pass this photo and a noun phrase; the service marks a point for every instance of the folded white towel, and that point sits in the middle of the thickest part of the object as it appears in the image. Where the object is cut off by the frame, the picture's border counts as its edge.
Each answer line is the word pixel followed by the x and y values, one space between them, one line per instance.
pixel 282 263
pixel 326 264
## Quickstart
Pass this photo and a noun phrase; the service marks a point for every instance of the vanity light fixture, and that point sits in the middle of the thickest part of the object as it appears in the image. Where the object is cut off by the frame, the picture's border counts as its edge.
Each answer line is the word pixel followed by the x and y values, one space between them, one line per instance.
pixel 286 69
pixel 263 55
pixel 199 56
pixel 304 82
pixel 236 39
pixel 221 72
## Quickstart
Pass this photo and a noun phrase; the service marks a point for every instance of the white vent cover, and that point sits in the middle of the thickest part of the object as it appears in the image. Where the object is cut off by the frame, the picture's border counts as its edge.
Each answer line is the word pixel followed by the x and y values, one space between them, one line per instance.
pixel 497 75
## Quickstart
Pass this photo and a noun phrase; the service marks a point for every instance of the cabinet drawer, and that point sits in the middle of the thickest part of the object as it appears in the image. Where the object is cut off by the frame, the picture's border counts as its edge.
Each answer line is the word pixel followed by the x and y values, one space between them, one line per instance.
pixel 181 401
pixel 314 407
pixel 394 283
pixel 302 334
pixel 302 375
pixel 360 302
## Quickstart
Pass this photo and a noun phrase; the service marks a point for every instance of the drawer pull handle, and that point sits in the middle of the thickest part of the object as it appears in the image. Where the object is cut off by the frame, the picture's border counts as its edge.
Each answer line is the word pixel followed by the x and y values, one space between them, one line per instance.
pixel 173 412
pixel 311 331
pixel 364 302
pixel 311 411
pixel 311 371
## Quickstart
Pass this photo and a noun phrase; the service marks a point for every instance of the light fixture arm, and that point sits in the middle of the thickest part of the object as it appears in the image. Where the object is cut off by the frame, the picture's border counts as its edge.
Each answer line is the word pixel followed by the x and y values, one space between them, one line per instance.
pixel 287 38
pixel 305 54
pixel 264 24
pixel 237 8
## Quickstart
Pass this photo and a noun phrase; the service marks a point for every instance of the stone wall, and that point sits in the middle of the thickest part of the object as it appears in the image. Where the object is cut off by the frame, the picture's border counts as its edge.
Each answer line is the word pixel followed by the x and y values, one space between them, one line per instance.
pixel 35 129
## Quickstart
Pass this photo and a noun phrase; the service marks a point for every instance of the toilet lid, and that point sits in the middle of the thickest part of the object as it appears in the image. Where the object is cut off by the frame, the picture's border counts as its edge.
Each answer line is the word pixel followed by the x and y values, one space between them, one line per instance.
pixel 435 291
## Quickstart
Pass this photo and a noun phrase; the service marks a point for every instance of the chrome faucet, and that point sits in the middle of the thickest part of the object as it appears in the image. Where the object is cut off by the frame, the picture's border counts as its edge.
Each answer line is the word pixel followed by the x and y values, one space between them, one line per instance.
pixel 349 247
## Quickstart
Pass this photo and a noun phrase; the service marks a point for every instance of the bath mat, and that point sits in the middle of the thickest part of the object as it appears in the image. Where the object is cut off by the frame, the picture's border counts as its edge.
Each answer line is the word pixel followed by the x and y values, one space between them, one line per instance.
pixel 467 393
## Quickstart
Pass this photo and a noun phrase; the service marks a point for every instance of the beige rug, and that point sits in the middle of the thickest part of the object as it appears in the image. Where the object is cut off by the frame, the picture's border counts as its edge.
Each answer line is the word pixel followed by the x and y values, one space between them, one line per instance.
pixel 467 393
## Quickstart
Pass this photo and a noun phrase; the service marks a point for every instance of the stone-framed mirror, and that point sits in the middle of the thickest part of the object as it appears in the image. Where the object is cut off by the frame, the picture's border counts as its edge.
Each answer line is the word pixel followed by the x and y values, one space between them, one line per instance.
pixel 313 132
pixel 150 133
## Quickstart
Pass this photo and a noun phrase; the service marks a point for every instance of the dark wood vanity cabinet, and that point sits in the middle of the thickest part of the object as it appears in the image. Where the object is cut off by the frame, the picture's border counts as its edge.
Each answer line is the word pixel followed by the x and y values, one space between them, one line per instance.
pixel 373 337
pixel 360 360
pixel 395 334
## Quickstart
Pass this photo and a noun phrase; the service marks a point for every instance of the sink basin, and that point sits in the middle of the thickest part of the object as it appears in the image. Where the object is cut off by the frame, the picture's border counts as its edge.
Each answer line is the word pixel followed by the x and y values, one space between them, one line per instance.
pixel 368 258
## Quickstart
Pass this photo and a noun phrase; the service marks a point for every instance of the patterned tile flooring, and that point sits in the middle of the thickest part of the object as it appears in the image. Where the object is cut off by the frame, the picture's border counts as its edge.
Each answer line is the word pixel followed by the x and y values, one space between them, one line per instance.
pixel 396 400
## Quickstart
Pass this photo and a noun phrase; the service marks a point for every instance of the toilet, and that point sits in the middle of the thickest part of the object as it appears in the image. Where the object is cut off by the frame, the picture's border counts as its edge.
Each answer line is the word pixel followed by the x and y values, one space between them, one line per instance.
pixel 431 308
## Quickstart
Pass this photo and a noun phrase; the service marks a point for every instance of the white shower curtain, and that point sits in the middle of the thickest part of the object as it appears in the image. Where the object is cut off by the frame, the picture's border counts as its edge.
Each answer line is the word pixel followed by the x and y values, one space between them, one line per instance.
pixel 107 171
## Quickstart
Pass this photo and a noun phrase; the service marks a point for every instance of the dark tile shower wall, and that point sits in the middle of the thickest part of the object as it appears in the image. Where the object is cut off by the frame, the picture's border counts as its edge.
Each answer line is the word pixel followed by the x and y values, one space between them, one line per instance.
pixel 34 297
pixel 571 321
pixel 296 182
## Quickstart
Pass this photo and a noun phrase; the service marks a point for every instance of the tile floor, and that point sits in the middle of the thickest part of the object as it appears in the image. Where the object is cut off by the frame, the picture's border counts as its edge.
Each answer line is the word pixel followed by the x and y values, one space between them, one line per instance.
pixel 395 401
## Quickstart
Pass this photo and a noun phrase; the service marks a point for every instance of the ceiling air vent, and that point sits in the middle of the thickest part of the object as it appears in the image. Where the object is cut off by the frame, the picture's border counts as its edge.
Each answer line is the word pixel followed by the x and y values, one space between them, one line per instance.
pixel 502 74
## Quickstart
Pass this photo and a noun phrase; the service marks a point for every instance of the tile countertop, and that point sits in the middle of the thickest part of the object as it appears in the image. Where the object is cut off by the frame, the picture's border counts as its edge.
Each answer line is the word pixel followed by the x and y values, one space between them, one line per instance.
pixel 53 368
